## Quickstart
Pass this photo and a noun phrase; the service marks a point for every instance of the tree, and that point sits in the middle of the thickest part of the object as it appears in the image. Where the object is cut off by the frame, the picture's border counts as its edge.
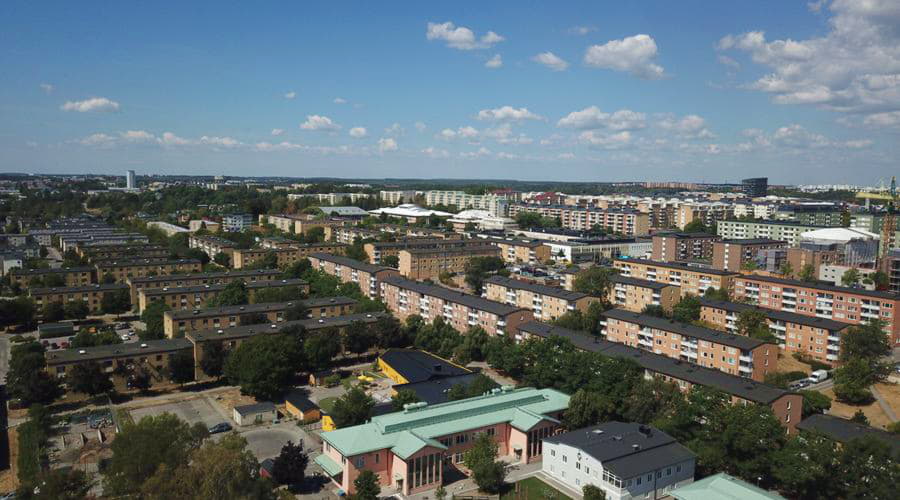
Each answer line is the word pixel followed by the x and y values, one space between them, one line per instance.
pixel 353 408
pixel 213 360
pixel 27 378
pixel 84 338
pixel 804 467
pixel 815 402
pixel 298 269
pixel 388 332
pixel 367 486
pixel 867 469
pixel 695 226
pixel 786 269
pixel 479 268
pixel 654 310
pixel 881 280
pixel 713 293
pixel 404 397
pixel 481 459
pixel 140 379
pixel 357 338
pixel 88 378
pixel 867 341
pixel 181 367
pixel 391 261
pixel 754 323
pixel 587 408
pixel 60 484
pixel 153 319
pixel 277 294
pixel 807 273
pixel 356 251
pixel 860 418
pixel 321 347
pixel 595 281
pixel 850 277
pixel 141 448
pixel 264 365
pixel 591 492
pixel 290 464
pixel 54 311
pixel 687 309
pixel 108 279
pixel 296 312
pixel 222 259
pixel 116 302
pixel 76 309
pixel 234 294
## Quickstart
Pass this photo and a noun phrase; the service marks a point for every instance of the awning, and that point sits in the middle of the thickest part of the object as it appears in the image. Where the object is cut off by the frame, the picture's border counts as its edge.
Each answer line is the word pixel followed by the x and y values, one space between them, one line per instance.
pixel 330 467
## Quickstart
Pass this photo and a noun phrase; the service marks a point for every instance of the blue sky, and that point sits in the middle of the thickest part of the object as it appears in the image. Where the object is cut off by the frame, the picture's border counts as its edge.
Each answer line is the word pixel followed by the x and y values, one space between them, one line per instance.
pixel 690 90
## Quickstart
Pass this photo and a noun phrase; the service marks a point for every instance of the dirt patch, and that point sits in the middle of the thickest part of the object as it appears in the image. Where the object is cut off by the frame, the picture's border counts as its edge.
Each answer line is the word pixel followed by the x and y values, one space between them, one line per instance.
pixel 891 395
pixel 787 363
pixel 231 398
pixel 876 416
pixel 9 479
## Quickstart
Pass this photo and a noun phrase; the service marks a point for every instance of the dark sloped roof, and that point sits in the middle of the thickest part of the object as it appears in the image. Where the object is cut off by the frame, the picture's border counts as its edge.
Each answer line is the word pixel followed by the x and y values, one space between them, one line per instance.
pixel 627 280
pixel 264 406
pixel 843 430
pixel 237 273
pixel 472 301
pixel 551 291
pixel 117 350
pixel 823 286
pixel 677 265
pixel 786 316
pixel 626 449
pixel 348 262
pixel 753 241
pixel 435 391
pixel 235 332
pixel 417 366
pixel 221 286
pixel 300 401
pixel 103 287
pixel 688 330
pixel 258 308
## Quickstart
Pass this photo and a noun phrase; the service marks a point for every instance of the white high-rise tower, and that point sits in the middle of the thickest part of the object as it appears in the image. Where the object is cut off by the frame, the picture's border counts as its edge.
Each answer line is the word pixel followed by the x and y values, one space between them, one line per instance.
pixel 129 180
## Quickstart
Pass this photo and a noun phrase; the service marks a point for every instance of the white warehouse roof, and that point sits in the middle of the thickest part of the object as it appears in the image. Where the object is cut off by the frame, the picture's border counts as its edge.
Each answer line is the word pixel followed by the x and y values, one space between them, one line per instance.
pixel 839 234
pixel 409 210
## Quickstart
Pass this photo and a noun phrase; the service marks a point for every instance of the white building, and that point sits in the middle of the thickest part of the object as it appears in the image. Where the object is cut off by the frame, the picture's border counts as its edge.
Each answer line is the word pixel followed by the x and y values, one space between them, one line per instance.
pixel 833 273
pixel 483 220
pixel 169 229
pixel 625 460
pixel 497 205
pixel 397 197
pixel 10 261
pixel 412 213
pixel 129 180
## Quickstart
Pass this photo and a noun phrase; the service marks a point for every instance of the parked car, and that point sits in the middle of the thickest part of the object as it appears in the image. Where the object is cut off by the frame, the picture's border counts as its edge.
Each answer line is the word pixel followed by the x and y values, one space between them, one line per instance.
pixel 125 337
pixel 818 376
pixel 220 427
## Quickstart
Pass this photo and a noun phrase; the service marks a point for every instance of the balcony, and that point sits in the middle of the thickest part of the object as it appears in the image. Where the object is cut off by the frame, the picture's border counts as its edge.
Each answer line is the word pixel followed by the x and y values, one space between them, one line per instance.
pixel 745 369
pixel 831 357
pixel 747 359
pixel 644 342
pixel 689 354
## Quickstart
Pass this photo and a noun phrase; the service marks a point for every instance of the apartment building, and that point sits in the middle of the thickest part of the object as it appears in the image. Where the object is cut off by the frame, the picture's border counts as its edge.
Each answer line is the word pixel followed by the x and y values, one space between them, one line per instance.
pixel 367 276
pixel 583 250
pixel 236 223
pixel 628 222
pixel 397 197
pixel 430 263
pixel 121 270
pixel 814 214
pixel 546 302
pixel 817 338
pixel 708 213
pixel 692 280
pixel 348 234
pixel 785 405
pixel 211 245
pixel 635 294
pixel 276 242
pixel 181 280
pixel 850 305
pixel 410 450
pixel 735 255
pixel 283 222
pixel 91 295
pixel 192 297
pixel 786 231
pixel 378 250
pixel 567 278
pixel 681 247
pixel 462 311
pixel 497 205
pixel 285 256
pixel 521 251
pixel 735 354
pixel 304 226
pixel 177 323
pixel 72 276
pixel 108 252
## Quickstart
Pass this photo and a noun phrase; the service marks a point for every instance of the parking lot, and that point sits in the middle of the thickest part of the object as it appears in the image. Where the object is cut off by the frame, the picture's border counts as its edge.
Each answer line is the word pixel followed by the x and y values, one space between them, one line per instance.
pixel 191 411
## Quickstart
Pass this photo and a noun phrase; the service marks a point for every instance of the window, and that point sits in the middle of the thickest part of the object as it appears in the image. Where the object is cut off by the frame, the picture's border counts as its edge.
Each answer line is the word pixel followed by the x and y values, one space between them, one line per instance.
pixel 668 471
pixel 552 453
pixel 578 465
pixel 658 474
pixel 376 458
pixel 360 462
pixel 677 468
pixel 565 459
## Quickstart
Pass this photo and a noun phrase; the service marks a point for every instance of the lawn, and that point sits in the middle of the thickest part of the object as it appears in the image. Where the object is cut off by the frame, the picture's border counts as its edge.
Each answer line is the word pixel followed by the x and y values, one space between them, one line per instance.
pixel 327 404
pixel 533 488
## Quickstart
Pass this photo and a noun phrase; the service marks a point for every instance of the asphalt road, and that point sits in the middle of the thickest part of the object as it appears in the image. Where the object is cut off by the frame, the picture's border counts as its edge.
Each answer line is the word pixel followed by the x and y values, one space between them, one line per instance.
pixel 4 358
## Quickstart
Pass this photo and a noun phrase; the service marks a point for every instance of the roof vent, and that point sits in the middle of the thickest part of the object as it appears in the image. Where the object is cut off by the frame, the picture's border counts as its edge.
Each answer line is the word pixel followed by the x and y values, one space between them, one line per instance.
pixel 242 308
pixel 635 447
pixel 143 346
pixel 81 351
pixel 220 331
pixel 321 321
pixel 597 431
pixel 368 315
pixel 274 326
pixel 165 288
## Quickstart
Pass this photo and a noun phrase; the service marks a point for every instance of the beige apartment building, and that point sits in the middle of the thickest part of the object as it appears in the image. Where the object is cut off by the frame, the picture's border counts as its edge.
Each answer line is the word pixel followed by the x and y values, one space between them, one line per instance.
pixel 378 250
pixel 521 251
pixel 348 234
pixel 285 256
pixel 635 294
pixel 211 245
pixel 817 338
pixel 734 255
pixel 692 280
pixel 182 280
pixel 547 303
pixel 366 276
pixel 193 297
pixel 681 247
pixel 625 221
pixel 72 276
pixel 121 270
pixel 91 295
pixel 177 323
pixel 726 352
pixel 429 263
pixel 462 311
pixel 107 252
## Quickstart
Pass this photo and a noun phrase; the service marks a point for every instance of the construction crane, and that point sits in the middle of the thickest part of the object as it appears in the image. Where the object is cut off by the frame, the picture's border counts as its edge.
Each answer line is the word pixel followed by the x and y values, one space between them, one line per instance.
pixel 889 224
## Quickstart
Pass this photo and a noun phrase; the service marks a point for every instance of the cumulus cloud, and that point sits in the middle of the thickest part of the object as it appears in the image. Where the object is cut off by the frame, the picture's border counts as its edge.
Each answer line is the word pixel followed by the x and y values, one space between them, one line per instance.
pixel 137 136
pixel 47 88
pixel 551 60
pixel 593 118
pixel 482 151
pixel 170 139
pixel 634 55
pixel 317 122
pixel 340 100
pixel 605 141
pixel 277 131
pixel 281 146
pixel 94 104
pixel 507 113
pixel 420 126
pixel 503 134
pixel 433 152
pixel 466 132
pixel 494 62
pixel 853 68
pixel 580 30
pixel 386 144
pixel 97 140
pixel 358 132
pixel 395 130
pixel 290 95
pixel 727 61
pixel 460 37
pixel 688 127
pixel 225 142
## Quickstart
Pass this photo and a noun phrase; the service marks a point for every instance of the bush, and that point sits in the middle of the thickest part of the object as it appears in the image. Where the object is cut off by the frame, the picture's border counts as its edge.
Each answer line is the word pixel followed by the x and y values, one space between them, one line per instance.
pixel 333 380
pixel 782 379
pixel 813 363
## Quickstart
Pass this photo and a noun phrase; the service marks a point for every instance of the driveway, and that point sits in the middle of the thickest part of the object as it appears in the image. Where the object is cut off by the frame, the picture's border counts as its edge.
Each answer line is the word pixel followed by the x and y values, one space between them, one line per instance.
pixel 266 441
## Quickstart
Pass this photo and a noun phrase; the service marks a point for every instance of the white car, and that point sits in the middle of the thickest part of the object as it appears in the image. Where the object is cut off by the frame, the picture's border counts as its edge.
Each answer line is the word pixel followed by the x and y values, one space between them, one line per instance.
pixel 125 337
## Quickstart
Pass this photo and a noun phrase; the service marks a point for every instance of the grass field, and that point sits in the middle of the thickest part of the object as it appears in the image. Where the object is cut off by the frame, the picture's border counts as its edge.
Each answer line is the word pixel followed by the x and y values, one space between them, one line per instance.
pixel 327 404
pixel 533 488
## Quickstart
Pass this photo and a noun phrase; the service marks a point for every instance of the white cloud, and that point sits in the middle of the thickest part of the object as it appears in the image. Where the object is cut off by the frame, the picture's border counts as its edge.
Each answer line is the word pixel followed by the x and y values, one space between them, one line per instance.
pixel 482 151
pixel 461 37
pixel 137 136
pixel 395 130
pixel 340 100
pixel 727 61
pixel 290 95
pixel 551 60
pixel 420 126
pixel 47 88
pixel 466 132
pixel 507 113
pixel 433 152
pixel 386 144
pixel 317 122
pixel 281 146
pixel 887 119
pixel 358 132
pixel 633 54
pixel 89 105
pixel 277 131
pixel 595 139
pixel 170 139
pixel 688 127
pixel 97 140
pixel 580 30
pixel 593 118
pixel 494 62
pixel 225 142
pixel 503 134
pixel 853 68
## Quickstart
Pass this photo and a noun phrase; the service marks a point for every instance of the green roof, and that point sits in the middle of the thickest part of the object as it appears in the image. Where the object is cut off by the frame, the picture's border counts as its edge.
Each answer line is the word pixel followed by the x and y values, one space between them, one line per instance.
pixel 331 468
pixel 722 487
pixel 406 432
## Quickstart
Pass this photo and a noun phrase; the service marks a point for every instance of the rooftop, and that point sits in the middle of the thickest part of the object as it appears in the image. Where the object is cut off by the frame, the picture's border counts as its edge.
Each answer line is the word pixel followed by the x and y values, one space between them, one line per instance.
pixel 103 352
pixel 786 316
pixel 58 270
pixel 675 265
pixel 843 430
pixel 471 301
pixel 681 236
pixel 408 431
pixel 79 289
pixel 416 366
pixel 265 406
pixel 258 308
pixel 220 286
pixel 145 262
pixel 344 211
pixel 551 291
pixel 435 391
pixel 627 280
pixel 348 262
pixel 841 234
pixel 685 329
pixel 818 285
pixel 626 449
pixel 243 331
pixel 721 486
pixel 240 273
pixel 753 241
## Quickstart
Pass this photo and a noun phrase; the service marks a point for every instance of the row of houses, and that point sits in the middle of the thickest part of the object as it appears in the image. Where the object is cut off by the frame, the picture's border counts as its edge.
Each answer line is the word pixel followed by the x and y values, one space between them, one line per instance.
pixel 119 270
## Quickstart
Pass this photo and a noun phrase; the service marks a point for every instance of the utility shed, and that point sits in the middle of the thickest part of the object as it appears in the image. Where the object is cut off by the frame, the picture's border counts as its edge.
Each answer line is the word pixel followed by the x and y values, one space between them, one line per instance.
pixel 255 414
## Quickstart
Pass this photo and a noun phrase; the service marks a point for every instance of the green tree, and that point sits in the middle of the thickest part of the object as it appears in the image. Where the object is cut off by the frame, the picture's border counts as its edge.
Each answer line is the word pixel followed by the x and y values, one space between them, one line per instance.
pixel 654 310
pixel 595 281
pixel 591 492
pixel 213 361
pixel 881 280
pixel 357 338
pixel 367 486
pixel 264 365
pixel 481 459
pixel 860 418
pixel 153 319
pixel 695 226
pixel 786 269
pixel 53 312
pixel 867 469
pixel 587 408
pixel 298 269
pixel 27 378
pixel 804 467
pixel 807 273
pixel 815 402
pixel 76 309
pixel 108 279
pixel 222 259
pixel 391 261
pixel 480 268
pixel 687 309
pixel 88 378
pixel 84 338
pixel 404 397
pixel 181 367
pixel 754 323
pixel 234 294
pixel 740 440
pixel 290 464
pixel 388 332
pixel 713 293
pixel 353 408
pixel 116 302
pixel 850 277
pixel 867 341
pixel 60 484
pixel 321 347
